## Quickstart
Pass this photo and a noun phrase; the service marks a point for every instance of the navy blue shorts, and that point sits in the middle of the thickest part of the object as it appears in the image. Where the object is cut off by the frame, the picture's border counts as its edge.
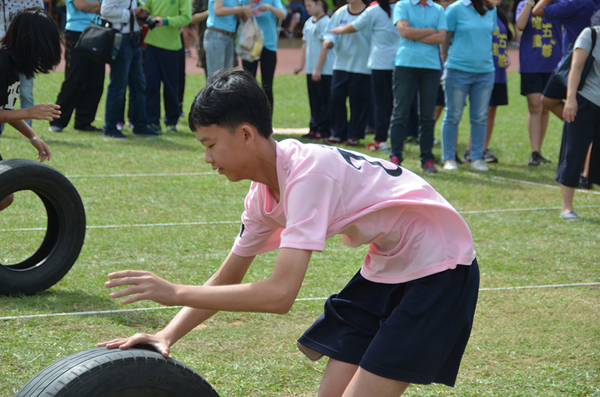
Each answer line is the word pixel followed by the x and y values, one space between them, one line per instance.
pixel 534 83
pixel 414 332
pixel 499 95
pixel 555 89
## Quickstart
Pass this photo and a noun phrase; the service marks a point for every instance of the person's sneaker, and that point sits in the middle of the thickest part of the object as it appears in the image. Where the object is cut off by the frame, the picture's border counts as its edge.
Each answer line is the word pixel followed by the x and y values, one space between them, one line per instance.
pixel 569 216
pixel 89 128
pixel 428 167
pixel 154 127
pixel 545 160
pixel 311 135
pixel 395 160
pixel 489 157
pixel 172 128
pixel 537 159
pixel 288 34
pixel 377 146
pixel 479 165
pixel 584 182
pixel 117 135
pixel 332 140
pixel 457 159
pixel 450 165
pixel 147 132
pixel 351 142
pixel 55 128
pixel 467 156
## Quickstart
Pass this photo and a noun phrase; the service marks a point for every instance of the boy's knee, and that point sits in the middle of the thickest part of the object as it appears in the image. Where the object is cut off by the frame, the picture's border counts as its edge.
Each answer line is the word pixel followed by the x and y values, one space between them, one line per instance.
pixel 7 201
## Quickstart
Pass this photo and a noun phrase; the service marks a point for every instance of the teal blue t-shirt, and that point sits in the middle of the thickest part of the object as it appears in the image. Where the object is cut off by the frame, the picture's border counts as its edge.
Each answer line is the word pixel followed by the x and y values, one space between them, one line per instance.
pixel 227 23
pixel 413 53
pixel 471 49
pixel 77 20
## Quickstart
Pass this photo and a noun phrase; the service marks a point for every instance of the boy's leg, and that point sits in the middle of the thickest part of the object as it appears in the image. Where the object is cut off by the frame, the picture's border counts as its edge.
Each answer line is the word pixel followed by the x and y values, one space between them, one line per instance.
pixel 403 88
pixel 336 378
pixel 359 93
pixel 366 384
pixel 153 78
pixel 339 93
pixel 169 72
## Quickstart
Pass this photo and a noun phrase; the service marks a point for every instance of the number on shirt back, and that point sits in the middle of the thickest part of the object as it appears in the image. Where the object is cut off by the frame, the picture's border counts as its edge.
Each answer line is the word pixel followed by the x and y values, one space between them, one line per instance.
pixel 349 156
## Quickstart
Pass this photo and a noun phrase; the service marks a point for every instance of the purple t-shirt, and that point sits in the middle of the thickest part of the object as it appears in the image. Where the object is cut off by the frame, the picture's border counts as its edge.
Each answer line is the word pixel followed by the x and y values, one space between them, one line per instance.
pixel 500 51
pixel 575 16
pixel 540 49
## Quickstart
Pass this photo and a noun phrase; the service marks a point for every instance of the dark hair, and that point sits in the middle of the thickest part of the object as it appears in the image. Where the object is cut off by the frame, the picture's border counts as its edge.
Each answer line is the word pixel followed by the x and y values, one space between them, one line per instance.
pixel 323 4
pixel 33 41
pixel 482 6
pixel 385 6
pixel 504 19
pixel 231 97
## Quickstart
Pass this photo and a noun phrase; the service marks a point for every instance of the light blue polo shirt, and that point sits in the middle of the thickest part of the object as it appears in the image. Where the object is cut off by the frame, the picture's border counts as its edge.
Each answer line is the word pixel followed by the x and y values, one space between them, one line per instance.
pixel 77 20
pixel 227 23
pixel 471 49
pixel 351 50
pixel 384 39
pixel 413 53
pixel 313 34
pixel 268 23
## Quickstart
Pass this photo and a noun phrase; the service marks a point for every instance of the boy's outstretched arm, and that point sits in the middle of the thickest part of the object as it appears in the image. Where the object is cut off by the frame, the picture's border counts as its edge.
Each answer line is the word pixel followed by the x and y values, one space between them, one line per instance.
pixel 222 291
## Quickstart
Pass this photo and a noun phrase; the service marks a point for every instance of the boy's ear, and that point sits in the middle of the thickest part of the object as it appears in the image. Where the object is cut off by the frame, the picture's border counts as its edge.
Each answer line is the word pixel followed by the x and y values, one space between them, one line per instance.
pixel 249 133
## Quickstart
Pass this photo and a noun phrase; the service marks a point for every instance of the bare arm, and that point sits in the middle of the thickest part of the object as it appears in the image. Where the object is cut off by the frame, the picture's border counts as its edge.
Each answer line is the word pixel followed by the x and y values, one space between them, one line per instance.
pixel 302 59
pixel 578 61
pixel 199 17
pixel 87 6
pixel 446 45
pixel 437 38
pixel 316 76
pixel 408 32
pixel 344 29
pixel 34 139
pixel 521 23
pixel 278 12
pixel 221 11
pixel 538 10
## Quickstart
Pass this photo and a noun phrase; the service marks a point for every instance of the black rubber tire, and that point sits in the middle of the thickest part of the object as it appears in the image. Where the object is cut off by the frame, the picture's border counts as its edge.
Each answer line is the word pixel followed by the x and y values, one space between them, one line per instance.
pixel 65 230
pixel 101 372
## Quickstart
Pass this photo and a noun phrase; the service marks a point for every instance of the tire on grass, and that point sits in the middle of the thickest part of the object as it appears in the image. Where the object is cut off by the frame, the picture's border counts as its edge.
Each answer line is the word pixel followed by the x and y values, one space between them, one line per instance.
pixel 65 230
pixel 101 372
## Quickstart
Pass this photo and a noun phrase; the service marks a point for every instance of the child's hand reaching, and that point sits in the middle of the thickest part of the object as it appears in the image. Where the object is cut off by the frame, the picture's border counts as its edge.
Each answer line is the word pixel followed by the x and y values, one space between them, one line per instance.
pixel 42 148
pixel 44 111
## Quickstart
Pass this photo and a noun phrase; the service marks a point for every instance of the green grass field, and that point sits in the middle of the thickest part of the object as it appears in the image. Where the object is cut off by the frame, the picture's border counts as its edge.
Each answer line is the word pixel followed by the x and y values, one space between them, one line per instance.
pixel 153 204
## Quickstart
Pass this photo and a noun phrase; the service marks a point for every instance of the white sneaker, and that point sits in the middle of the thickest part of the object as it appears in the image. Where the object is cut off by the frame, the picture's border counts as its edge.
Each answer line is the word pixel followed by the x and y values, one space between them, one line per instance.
pixel 450 165
pixel 479 165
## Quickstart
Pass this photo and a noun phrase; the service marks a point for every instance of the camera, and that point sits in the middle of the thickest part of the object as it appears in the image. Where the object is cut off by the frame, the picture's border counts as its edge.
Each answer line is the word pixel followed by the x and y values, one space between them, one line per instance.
pixel 147 20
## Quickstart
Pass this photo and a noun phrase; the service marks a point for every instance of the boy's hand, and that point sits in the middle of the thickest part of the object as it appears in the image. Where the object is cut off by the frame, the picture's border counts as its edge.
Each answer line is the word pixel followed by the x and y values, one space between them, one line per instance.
pixel 328 44
pixel 44 111
pixel 42 148
pixel 316 76
pixel 155 341
pixel 143 285
pixel 298 69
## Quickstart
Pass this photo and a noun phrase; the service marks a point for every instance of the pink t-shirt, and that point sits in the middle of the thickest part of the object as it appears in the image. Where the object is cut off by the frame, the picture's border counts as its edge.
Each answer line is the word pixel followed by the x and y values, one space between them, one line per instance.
pixel 412 230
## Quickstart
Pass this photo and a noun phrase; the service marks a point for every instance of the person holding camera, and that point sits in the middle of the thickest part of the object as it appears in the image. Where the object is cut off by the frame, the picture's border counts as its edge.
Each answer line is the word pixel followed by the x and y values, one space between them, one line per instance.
pixel 127 68
pixel 162 58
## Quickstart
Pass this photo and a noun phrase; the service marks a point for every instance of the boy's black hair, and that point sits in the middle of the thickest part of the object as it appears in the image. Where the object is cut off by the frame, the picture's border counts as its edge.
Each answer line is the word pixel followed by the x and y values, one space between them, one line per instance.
pixel 232 97
pixel 33 41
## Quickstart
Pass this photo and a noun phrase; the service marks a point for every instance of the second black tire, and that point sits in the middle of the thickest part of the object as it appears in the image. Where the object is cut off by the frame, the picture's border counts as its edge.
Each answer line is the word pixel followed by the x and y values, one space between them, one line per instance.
pixel 65 229
pixel 101 372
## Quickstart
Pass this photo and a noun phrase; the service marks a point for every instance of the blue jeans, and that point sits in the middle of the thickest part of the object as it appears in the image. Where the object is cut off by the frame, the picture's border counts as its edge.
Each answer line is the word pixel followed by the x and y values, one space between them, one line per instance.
pixel 219 51
pixel 457 85
pixel 26 94
pixel 406 81
pixel 126 68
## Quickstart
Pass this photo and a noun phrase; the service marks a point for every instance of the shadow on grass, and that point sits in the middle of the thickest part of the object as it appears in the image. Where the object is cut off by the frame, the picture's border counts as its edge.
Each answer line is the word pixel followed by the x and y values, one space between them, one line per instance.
pixel 51 301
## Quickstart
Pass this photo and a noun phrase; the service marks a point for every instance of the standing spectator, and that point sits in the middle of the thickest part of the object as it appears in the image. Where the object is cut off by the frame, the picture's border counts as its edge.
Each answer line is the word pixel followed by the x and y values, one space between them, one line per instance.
pixel 163 44
pixel 574 16
pixel 318 84
pixel 539 53
pixel 351 76
pixel 582 121
pixel 199 8
pixel 422 28
pixel 84 78
pixel 501 37
pixel 469 64
pixel 377 20
pixel 127 68
pixel 267 13
pixel 219 38
pixel 10 8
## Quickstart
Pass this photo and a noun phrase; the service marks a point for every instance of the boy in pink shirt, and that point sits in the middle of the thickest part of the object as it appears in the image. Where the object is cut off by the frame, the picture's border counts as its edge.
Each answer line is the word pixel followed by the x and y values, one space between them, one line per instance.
pixel 404 318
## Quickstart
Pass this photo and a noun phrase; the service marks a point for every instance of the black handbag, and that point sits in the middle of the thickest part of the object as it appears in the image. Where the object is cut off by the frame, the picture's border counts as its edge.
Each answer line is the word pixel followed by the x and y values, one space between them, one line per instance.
pixel 100 42
pixel 561 74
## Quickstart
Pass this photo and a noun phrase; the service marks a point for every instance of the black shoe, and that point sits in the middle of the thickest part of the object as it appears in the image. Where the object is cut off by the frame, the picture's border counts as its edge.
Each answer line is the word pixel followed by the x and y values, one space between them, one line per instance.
pixel 117 135
pixel 147 132
pixel 89 128
pixel 535 159
pixel 489 157
pixel 584 182
pixel 467 156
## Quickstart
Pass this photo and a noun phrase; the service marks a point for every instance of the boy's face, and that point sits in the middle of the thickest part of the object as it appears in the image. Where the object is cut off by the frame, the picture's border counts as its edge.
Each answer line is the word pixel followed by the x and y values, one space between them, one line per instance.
pixel 226 151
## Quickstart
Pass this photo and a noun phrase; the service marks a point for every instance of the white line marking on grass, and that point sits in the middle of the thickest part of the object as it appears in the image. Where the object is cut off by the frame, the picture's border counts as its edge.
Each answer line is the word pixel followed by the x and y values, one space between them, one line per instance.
pixel 98 312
